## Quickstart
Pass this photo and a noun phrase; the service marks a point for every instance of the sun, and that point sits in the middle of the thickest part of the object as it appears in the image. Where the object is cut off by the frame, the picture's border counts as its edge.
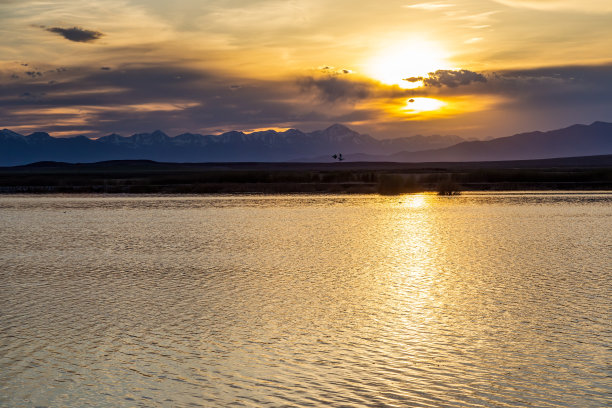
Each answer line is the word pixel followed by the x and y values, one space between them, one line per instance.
pixel 409 59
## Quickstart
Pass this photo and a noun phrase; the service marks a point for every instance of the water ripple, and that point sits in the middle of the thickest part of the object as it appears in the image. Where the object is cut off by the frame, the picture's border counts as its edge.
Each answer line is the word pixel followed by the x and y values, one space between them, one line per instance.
pixel 480 300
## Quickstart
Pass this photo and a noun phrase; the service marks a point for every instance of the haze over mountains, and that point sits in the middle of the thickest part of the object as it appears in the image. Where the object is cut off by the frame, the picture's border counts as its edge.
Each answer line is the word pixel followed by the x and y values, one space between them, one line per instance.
pixel 573 141
pixel 294 145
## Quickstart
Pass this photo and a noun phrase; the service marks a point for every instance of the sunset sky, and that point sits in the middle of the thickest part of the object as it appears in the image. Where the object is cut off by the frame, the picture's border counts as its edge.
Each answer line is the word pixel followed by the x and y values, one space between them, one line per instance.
pixel 474 68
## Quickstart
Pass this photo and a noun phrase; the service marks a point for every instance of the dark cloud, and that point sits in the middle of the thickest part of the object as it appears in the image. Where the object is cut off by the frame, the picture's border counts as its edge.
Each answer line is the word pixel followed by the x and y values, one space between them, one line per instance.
pixel 30 95
pixel 413 79
pixel 136 98
pixel 529 89
pixel 124 99
pixel 333 88
pixel 555 86
pixel 76 34
pixel 105 68
pixel 329 70
pixel 449 78
pixel 33 74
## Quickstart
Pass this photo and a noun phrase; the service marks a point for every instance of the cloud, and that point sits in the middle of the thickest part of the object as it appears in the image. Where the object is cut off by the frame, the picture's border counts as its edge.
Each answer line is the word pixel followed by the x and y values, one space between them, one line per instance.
pixel 334 88
pixel 413 79
pixel 139 97
pixel 555 85
pixel 76 34
pixel 31 95
pixel 248 15
pixel 429 6
pixel 449 78
pixel 591 6
pixel 582 88
pixel 328 70
pixel 93 101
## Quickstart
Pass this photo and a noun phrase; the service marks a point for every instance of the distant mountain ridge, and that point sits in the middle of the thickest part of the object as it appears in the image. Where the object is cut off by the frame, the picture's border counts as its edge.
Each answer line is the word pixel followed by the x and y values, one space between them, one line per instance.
pixel 269 145
pixel 573 141
pixel 295 145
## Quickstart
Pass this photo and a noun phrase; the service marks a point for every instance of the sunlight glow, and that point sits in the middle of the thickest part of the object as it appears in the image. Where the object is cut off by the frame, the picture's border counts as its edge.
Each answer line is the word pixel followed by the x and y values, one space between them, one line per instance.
pixel 418 105
pixel 405 60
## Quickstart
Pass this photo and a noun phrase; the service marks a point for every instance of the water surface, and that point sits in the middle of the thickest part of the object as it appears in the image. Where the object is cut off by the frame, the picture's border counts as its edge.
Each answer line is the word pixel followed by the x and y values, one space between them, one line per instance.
pixel 482 300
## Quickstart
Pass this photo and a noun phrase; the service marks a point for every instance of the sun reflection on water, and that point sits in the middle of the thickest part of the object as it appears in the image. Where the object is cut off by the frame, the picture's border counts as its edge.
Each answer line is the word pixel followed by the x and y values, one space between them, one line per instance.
pixel 276 300
pixel 415 201
pixel 411 259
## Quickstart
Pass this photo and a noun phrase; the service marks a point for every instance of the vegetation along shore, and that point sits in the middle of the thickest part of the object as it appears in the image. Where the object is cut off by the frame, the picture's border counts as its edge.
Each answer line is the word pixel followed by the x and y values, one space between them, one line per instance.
pixel 148 177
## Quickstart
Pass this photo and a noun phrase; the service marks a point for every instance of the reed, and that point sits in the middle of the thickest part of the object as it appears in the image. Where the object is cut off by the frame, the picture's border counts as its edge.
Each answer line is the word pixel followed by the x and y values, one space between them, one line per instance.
pixel 395 184
pixel 448 188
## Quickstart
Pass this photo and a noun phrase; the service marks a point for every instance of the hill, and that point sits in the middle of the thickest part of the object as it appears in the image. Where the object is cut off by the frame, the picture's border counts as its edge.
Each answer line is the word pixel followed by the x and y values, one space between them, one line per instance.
pixel 576 140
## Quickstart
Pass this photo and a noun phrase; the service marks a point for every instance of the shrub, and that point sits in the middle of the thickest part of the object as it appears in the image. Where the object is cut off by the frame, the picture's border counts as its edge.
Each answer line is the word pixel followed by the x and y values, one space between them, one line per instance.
pixel 448 188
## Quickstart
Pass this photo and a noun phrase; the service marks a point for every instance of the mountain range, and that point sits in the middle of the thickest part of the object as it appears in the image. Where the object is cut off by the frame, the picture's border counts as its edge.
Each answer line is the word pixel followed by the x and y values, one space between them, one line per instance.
pixel 295 145
pixel 264 146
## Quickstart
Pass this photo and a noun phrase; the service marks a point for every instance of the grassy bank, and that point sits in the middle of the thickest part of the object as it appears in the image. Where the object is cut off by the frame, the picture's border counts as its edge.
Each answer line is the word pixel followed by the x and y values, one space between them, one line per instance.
pixel 139 177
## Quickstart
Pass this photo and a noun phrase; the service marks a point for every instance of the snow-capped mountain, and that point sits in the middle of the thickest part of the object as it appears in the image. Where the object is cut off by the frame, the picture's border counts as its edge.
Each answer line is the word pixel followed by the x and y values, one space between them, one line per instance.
pixel 268 145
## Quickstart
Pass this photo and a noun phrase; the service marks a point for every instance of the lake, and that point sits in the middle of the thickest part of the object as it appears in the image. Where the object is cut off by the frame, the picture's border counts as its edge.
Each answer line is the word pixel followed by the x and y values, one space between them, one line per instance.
pixel 480 300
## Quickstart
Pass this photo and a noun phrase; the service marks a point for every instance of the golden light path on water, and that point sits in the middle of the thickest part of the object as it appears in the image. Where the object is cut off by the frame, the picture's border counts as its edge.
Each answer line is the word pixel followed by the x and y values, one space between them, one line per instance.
pixel 417 300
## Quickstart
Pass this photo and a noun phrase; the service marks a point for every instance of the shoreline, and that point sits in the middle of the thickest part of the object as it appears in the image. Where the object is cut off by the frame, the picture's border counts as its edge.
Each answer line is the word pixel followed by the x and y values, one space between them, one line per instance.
pixel 249 189
pixel 145 177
